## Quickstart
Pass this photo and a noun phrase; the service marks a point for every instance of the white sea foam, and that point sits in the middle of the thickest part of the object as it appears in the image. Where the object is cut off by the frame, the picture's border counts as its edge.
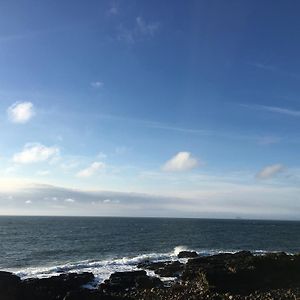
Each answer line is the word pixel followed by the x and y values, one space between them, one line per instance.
pixel 102 269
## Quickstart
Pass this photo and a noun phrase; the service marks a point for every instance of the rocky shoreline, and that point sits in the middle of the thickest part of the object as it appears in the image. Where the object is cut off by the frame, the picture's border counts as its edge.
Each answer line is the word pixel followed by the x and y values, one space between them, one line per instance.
pixel 241 275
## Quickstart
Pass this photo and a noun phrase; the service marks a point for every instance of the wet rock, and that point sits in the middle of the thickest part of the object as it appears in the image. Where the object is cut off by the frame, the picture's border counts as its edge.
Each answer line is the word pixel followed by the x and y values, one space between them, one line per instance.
pixel 187 254
pixel 164 269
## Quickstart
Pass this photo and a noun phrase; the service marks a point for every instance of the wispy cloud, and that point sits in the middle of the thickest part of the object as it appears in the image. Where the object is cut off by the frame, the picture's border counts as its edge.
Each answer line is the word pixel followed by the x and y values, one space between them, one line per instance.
pixel 268 140
pixel 113 9
pixel 91 170
pixel 270 171
pixel 141 30
pixel 275 109
pixel 182 161
pixel 263 66
pixel 146 29
pixel 273 68
pixel 20 112
pixel 97 84
pixel 35 152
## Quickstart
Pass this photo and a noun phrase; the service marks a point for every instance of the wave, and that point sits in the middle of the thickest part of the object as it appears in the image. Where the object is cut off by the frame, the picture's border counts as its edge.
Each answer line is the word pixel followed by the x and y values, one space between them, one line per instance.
pixel 102 269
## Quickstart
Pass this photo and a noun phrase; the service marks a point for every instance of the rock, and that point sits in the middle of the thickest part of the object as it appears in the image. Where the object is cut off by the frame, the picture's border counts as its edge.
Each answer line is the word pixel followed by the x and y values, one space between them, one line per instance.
pixel 55 287
pixel 123 281
pixel 164 268
pixel 9 286
pixel 243 273
pixel 187 254
pixel 85 294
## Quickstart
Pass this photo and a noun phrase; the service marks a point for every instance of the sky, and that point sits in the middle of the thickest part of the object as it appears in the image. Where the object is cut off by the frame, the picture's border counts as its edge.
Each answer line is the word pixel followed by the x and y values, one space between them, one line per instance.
pixel 150 108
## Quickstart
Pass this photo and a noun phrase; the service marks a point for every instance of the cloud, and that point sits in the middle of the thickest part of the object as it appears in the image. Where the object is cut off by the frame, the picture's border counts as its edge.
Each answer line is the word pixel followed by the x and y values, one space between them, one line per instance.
pixel 97 84
pixel 91 170
pixel 20 112
pixel 229 200
pixel 109 201
pixel 70 200
pixel 33 153
pixel 182 161
pixel 263 66
pixel 140 31
pixel 270 171
pixel 146 28
pixel 275 109
pixel 28 202
pixel 268 140
pixel 114 9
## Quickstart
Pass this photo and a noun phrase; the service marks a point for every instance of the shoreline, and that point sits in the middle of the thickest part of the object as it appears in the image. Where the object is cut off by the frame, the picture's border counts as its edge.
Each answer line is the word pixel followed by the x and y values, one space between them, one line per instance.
pixel 240 275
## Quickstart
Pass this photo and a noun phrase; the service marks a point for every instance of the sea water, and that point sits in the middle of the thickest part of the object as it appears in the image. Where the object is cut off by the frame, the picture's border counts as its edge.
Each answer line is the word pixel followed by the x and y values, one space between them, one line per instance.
pixel 47 246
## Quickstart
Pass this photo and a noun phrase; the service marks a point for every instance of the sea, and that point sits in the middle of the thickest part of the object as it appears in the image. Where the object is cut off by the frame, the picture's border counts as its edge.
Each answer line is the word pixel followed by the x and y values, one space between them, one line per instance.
pixel 48 246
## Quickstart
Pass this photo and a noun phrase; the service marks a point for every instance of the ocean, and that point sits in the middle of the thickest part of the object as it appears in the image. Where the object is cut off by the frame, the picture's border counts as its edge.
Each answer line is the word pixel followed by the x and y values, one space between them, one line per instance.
pixel 47 246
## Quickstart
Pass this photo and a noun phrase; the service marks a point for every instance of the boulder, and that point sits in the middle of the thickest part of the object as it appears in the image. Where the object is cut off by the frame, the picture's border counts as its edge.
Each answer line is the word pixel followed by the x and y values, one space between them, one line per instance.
pixel 124 281
pixel 187 254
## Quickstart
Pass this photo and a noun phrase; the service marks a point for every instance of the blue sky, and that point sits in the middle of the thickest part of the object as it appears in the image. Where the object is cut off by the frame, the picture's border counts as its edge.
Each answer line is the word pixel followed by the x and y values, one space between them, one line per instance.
pixel 150 108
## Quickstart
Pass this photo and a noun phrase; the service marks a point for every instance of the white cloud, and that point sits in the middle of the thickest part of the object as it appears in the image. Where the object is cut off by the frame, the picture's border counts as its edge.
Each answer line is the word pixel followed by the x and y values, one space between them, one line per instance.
pixel 182 161
pixel 20 112
pixel 91 170
pixel 270 171
pixel 107 201
pixel 36 152
pixel 97 84
pixel 69 200
pixel 28 202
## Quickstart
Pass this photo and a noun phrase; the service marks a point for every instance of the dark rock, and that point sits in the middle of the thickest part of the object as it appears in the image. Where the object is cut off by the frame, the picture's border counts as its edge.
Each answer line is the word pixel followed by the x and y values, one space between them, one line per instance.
pixel 55 287
pixel 164 268
pixel 243 273
pixel 9 286
pixel 187 254
pixel 123 281
pixel 85 294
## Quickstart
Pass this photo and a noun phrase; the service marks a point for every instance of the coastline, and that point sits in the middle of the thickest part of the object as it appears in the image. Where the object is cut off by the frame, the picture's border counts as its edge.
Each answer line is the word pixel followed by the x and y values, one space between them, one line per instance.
pixel 240 275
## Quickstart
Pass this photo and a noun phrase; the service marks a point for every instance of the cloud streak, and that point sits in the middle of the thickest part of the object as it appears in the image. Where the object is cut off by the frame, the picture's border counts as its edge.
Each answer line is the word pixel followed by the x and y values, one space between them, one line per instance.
pixel 270 171
pixel 91 170
pixel 275 109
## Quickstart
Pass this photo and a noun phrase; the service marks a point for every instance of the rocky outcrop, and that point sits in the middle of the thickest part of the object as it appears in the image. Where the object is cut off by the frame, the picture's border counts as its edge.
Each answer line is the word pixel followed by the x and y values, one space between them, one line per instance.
pixel 164 268
pixel 187 254
pixel 239 276
pixel 124 281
